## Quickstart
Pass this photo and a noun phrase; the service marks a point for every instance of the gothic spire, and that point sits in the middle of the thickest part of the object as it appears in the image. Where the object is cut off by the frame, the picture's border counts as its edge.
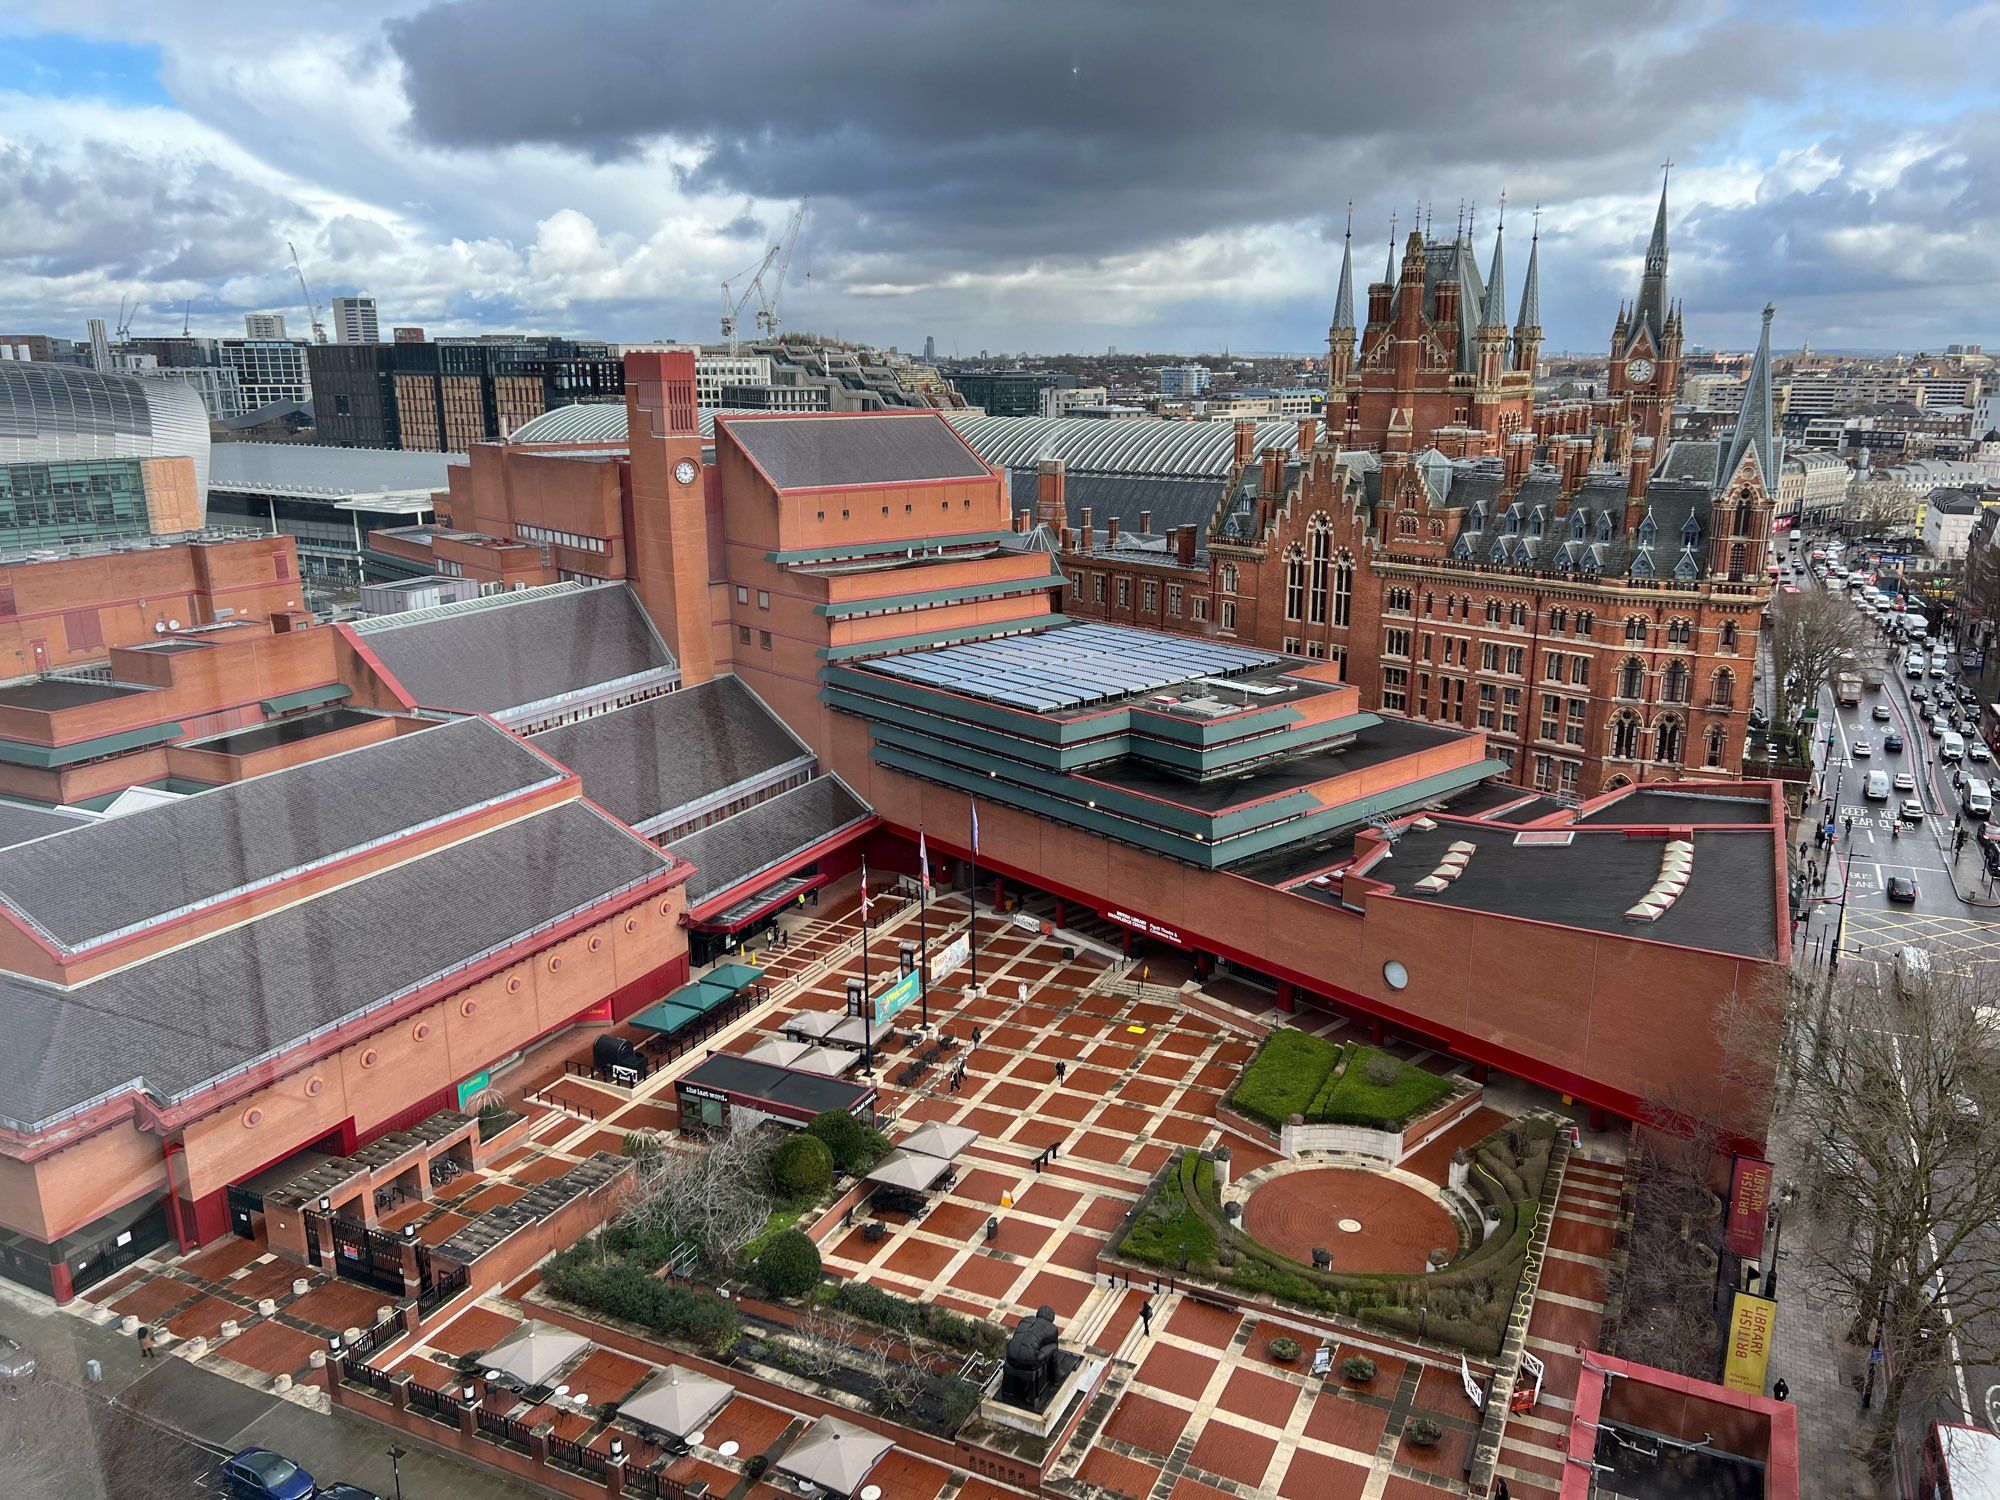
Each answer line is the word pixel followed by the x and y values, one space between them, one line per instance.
pixel 1754 436
pixel 1650 312
pixel 1343 304
pixel 1494 313
pixel 1390 274
pixel 1531 289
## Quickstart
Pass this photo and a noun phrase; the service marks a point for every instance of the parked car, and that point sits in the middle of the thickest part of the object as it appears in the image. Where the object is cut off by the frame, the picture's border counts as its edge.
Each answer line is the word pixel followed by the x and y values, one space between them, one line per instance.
pixel 1976 750
pixel 1879 713
pixel 345 1491
pixel 1902 890
pixel 260 1474
pixel 1759 719
pixel 17 1368
pixel 1906 781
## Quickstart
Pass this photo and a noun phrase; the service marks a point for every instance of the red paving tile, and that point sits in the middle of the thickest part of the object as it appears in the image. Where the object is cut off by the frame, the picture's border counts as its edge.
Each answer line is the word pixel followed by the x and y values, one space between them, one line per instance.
pixel 1150 1158
pixel 1066 1294
pixel 1344 1420
pixel 1433 1160
pixel 340 1305
pixel 1319 1476
pixel 1251 1393
pixel 982 1186
pixel 988 1122
pixel 1014 1096
pixel 1299 1211
pixel 1039 1135
pixel 904 1474
pixel 116 1286
pixel 1105 1213
pixel 442 1228
pixel 1182 1131
pixel 1568 1326
pixel 1049 1200
pixel 473 1331
pixel 1582 1238
pixel 542 1169
pixel 1445 1458
pixel 204 1319
pixel 1148 1093
pixel 1146 1423
pixel 1234 1453
pixel 273 1279
pixel 1115 1058
pixel 1200 1323
pixel 1093 1146
pixel 919 1259
pixel 1573 1279
pixel 1017 1236
pixel 1181 1371
pixel 1124 1119
pixel 152 1298
pixel 985 1276
pixel 1194 1489
pixel 752 1425
pixel 217 1261
pixel 955 1221
pixel 1077 1252
pixel 648 1117
pixel 1119 1474
pixel 1090 1083
pixel 1071 1107
pixel 607 1376
pixel 272 1347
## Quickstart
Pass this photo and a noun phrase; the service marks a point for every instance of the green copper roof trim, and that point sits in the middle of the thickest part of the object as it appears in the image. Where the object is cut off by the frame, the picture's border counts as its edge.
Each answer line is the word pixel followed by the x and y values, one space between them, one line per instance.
pixel 916 546
pixel 841 609
pixel 311 697
pixel 889 645
pixel 48 757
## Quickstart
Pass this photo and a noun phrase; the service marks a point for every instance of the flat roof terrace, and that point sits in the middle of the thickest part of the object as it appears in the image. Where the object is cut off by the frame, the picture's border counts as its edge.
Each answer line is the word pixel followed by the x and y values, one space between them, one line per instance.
pixel 50 694
pixel 1389 740
pixel 1590 878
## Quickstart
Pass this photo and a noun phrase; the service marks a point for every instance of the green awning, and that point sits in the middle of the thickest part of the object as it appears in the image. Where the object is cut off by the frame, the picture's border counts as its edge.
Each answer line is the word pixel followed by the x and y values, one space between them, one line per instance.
pixel 732 977
pixel 664 1017
pixel 889 644
pixel 48 757
pixel 312 697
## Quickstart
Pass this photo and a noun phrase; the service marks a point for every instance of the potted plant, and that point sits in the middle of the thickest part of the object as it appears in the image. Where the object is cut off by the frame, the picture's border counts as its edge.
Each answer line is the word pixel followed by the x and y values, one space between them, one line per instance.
pixel 1357 1369
pixel 1423 1432
pixel 1284 1350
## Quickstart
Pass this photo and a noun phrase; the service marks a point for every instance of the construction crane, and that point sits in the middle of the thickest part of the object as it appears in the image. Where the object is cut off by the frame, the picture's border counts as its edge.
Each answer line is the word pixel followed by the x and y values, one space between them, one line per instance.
pixel 186 308
pixel 779 254
pixel 312 307
pixel 126 309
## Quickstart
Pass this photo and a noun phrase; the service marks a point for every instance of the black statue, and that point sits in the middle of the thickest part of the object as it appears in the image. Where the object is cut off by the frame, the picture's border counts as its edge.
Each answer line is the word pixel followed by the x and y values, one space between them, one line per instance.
pixel 1031 1373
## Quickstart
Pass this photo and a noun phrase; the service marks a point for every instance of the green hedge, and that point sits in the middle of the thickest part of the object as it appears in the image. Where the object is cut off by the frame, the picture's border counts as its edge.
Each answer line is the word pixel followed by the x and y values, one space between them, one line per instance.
pixel 619 1289
pixel 1351 1097
pixel 1284 1076
pixel 861 1299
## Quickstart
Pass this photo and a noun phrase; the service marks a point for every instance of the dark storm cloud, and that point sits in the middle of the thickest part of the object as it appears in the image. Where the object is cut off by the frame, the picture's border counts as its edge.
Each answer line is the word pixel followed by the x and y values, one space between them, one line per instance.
pixel 1053 128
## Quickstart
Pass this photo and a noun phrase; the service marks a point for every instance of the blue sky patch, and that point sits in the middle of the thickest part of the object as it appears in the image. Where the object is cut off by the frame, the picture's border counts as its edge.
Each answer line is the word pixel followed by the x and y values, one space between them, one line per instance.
pixel 75 67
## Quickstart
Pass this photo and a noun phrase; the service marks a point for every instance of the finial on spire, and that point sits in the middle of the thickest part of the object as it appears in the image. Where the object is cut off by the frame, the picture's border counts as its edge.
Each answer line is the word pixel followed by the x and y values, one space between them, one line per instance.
pixel 1537 234
pixel 1503 210
pixel 1350 218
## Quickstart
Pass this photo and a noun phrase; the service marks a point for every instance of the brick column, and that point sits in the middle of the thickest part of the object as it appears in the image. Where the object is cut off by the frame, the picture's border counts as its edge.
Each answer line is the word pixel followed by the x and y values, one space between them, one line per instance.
pixel 1288 998
pixel 538 1443
pixel 468 1419
pixel 399 1390
pixel 323 1227
pixel 413 1281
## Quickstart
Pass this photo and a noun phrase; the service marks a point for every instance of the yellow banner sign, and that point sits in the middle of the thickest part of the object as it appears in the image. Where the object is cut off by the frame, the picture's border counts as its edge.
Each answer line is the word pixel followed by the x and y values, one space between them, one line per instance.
pixel 1751 1322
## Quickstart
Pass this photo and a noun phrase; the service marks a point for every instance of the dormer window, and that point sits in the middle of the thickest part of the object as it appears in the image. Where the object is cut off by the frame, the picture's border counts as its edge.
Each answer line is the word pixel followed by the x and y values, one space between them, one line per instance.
pixel 1642 566
pixel 1604 526
pixel 1687 568
pixel 1648 531
pixel 1579 524
pixel 1535 522
pixel 1690 532
pixel 1475 519
pixel 1513 526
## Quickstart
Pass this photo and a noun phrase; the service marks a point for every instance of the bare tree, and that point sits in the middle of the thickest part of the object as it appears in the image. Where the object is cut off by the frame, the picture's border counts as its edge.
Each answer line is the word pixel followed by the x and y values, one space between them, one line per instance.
pixel 1813 634
pixel 1880 506
pixel 824 1343
pixel 715 1197
pixel 1888 1107
pixel 896 1365
pixel 1667 1281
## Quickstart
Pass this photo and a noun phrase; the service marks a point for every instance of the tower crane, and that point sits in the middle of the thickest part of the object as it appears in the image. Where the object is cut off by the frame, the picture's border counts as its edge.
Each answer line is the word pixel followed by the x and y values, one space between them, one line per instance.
pixel 312 307
pixel 780 255
pixel 125 311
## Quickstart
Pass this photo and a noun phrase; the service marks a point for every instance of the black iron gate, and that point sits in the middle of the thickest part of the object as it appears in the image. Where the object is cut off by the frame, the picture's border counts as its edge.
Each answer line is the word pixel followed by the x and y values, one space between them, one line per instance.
pixel 244 1206
pixel 366 1255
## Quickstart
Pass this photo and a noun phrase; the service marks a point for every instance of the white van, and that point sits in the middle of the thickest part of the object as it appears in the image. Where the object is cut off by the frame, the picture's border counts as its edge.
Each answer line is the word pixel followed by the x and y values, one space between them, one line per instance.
pixel 1978 798
pixel 1951 747
pixel 1877 787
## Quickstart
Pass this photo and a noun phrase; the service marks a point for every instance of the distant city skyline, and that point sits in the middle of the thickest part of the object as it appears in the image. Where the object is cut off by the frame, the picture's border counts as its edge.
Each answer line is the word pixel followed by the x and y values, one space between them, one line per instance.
pixel 1017 176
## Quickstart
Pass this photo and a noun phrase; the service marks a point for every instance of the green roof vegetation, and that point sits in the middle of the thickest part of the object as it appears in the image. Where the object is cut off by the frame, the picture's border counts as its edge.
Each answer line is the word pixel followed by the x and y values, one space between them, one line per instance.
pixel 1332 1083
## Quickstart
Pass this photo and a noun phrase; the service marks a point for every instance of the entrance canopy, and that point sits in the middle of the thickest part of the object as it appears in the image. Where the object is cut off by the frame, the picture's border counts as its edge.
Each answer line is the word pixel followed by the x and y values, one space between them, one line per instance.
pixel 942 1141
pixel 534 1352
pixel 834 1455
pixel 909 1169
pixel 787 1093
pixel 677 1400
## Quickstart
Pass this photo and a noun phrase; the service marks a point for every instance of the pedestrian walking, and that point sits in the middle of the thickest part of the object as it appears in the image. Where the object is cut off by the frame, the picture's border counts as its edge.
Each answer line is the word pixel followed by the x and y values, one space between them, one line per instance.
pixel 1501 1492
pixel 1780 1391
pixel 145 1341
pixel 1146 1315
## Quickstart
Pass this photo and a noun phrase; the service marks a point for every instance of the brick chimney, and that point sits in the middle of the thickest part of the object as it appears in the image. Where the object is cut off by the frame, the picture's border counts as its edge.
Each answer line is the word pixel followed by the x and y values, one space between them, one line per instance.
pixel 1145 523
pixel 1020 521
pixel 1113 541
pixel 1308 434
pixel 1083 524
pixel 1051 502
pixel 1639 469
pixel 1514 460
pixel 1274 473
pixel 1246 440
pixel 1184 545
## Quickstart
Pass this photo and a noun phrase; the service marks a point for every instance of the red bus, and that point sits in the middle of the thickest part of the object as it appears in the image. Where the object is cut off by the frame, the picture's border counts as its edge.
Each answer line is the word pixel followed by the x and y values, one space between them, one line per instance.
pixel 1960 1463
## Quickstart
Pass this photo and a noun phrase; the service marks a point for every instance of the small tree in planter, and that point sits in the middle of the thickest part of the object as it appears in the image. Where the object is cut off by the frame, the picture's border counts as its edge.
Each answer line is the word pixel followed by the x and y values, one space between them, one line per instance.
pixel 1423 1432
pixel 1357 1369
pixel 789 1265
pixel 1284 1350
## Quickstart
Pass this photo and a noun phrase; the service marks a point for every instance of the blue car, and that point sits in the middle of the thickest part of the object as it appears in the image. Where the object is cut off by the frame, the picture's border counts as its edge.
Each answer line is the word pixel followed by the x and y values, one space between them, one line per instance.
pixel 260 1474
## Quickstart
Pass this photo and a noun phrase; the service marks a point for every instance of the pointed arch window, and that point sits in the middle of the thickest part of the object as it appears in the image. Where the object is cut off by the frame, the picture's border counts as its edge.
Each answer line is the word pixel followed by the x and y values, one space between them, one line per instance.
pixel 1690 532
pixel 1674 683
pixel 1632 678
pixel 1295 583
pixel 1729 635
pixel 1343 588
pixel 1586 622
pixel 1737 559
pixel 1667 741
pixel 1716 741
pixel 1229 578
pixel 1722 689
pixel 1625 736
pixel 1604 526
pixel 1321 542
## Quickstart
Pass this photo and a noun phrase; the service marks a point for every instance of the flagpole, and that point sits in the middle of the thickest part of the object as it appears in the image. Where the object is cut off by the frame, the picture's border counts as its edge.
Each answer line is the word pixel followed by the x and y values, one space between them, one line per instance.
pixel 924 928
pixel 867 1000
pixel 972 898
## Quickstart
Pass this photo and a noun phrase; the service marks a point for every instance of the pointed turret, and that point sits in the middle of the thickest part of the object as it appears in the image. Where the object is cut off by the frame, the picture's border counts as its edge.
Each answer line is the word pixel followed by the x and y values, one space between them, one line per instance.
pixel 1650 312
pixel 1754 437
pixel 1343 302
pixel 1494 313
pixel 1528 326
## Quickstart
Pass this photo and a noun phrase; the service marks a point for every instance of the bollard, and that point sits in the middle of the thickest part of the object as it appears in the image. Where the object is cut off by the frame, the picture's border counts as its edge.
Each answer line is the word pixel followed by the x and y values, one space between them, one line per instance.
pixel 281 1384
pixel 266 1306
pixel 128 1325
pixel 196 1347
pixel 230 1328
pixel 300 1286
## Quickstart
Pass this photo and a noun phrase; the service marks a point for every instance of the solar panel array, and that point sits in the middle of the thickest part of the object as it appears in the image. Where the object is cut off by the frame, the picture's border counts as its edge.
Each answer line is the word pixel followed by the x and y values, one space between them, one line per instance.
pixel 1071 667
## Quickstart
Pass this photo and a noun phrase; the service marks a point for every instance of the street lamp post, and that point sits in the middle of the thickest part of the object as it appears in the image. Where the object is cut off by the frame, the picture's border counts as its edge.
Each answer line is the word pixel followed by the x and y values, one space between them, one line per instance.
pixel 396 1457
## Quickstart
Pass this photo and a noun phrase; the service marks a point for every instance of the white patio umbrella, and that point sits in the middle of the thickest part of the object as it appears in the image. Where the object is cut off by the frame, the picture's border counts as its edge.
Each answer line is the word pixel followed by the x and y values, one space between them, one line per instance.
pixel 834 1455
pixel 534 1352
pixel 677 1400
pixel 908 1169
pixel 945 1141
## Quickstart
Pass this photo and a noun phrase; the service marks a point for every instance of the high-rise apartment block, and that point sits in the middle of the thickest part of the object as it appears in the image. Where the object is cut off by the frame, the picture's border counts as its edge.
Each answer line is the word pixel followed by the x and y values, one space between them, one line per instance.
pixel 264 325
pixel 354 321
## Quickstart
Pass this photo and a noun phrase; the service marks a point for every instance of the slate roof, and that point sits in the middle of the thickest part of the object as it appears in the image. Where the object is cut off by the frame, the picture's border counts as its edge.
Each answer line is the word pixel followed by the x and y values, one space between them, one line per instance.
pixel 660 754
pixel 20 823
pixel 180 1020
pixel 726 853
pixel 1173 500
pixel 812 452
pixel 505 652
pixel 320 472
pixel 90 882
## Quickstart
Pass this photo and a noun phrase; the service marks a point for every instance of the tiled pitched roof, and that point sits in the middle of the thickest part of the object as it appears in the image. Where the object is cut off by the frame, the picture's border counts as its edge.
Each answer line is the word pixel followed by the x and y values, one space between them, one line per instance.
pixel 177 1021
pixel 90 882
pixel 660 754
pixel 493 655
pixel 810 452
pixel 727 853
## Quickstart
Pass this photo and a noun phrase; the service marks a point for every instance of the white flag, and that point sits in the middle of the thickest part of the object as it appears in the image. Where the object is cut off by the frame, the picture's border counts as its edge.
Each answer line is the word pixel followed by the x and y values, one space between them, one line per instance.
pixel 975 828
pixel 923 863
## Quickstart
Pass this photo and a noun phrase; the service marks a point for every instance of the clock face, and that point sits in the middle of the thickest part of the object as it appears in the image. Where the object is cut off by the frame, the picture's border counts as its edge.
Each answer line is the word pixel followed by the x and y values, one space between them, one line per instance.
pixel 1639 371
pixel 685 471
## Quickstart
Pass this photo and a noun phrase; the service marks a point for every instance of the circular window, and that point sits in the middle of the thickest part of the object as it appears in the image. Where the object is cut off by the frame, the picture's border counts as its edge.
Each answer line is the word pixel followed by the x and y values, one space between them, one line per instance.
pixel 631 924
pixel 555 965
pixel 467 1007
pixel 666 908
pixel 370 1058
pixel 421 1030
pixel 1397 976
pixel 596 943
pixel 313 1086
pixel 513 984
pixel 253 1118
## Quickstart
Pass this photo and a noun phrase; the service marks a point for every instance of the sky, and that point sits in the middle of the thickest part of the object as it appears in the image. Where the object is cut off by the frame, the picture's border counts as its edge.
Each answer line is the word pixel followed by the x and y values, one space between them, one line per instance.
pixel 1027 175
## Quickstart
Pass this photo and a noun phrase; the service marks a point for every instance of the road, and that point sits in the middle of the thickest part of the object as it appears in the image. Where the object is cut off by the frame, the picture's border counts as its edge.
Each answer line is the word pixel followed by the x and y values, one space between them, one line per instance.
pixel 1953 920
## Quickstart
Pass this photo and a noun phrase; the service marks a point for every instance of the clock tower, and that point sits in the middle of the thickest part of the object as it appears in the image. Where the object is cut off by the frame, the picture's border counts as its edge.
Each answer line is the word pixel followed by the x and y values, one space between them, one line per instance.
pixel 668 526
pixel 1646 343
